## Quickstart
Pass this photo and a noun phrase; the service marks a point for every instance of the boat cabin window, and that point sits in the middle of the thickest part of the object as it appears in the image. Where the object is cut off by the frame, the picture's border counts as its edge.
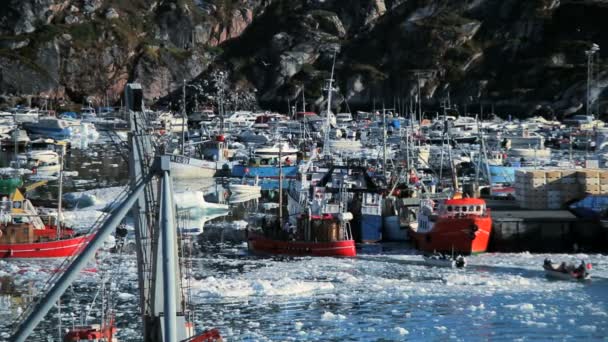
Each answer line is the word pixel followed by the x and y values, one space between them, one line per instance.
pixel 478 208
pixel 457 209
pixel 449 208
pixel 464 209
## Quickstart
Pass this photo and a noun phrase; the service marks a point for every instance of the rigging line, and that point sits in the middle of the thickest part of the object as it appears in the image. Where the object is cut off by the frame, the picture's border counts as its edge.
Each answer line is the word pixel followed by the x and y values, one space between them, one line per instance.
pixel 67 261
pixel 118 146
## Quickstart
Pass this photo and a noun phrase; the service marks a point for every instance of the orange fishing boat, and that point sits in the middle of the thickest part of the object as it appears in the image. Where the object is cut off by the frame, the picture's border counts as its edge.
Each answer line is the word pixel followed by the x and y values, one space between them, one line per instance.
pixel 455 225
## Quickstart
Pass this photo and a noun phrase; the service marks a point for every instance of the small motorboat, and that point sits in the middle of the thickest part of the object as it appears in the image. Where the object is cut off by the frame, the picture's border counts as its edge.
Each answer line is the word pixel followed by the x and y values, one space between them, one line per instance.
pixel 567 271
pixel 444 260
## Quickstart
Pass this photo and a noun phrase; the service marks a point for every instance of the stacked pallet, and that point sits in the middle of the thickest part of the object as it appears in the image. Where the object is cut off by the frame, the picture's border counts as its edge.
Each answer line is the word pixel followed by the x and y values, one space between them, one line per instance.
pixel 531 189
pixel 552 188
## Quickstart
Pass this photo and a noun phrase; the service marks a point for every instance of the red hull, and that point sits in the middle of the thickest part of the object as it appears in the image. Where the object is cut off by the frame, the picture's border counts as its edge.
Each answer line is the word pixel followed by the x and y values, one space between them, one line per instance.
pixel 48 249
pixel 456 234
pixel 261 244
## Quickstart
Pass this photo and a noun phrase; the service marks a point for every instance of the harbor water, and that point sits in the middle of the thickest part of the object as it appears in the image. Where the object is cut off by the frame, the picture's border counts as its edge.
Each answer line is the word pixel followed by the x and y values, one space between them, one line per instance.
pixel 385 294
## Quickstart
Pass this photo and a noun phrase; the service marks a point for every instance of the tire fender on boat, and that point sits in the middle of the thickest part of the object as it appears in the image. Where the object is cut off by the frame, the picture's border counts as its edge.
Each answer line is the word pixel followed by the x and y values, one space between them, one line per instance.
pixel 474 229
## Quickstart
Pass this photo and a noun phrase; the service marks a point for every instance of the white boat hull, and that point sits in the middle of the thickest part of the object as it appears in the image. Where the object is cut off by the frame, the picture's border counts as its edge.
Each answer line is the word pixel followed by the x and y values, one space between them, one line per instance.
pixel 191 168
pixel 245 189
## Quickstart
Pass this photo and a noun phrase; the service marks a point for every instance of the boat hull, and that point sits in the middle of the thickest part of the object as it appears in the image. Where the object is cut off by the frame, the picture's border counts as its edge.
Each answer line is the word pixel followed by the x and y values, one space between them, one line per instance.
pixel 393 231
pixel 183 167
pixel 456 234
pixel 564 276
pixel 264 245
pixel 48 249
pixel 371 228
pixel 263 171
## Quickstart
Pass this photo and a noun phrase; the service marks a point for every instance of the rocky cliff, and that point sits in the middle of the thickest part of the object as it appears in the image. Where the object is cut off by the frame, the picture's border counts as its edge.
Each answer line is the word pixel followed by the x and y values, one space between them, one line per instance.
pixel 76 49
pixel 521 56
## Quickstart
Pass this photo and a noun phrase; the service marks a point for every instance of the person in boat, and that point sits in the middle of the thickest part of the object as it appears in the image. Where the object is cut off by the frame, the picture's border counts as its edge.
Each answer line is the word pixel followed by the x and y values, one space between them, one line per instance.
pixel 413 178
pixel 287 161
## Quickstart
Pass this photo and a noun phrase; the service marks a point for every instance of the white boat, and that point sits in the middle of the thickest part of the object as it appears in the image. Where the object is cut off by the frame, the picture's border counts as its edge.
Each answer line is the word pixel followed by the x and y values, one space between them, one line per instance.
pixel 273 151
pixel 342 118
pixel 240 118
pixel 40 161
pixel 22 115
pixel 183 167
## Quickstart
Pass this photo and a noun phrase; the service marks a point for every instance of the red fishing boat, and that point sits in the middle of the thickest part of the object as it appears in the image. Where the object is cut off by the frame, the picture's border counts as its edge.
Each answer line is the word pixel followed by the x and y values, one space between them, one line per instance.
pixel 23 234
pixel 454 225
pixel 323 235
pixel 91 333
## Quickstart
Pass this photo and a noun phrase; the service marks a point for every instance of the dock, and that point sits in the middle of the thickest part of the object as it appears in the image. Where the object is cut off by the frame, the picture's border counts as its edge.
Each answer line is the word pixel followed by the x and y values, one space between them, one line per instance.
pixel 546 231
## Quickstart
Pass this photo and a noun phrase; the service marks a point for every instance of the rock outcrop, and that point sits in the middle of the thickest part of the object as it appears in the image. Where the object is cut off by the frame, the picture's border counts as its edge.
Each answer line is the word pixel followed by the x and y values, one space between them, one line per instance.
pixel 77 49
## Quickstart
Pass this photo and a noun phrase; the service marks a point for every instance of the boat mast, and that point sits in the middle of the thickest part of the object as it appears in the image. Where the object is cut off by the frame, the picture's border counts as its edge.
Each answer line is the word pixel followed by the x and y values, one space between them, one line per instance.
pixel 280 185
pixel 58 220
pixel 329 91
pixel 303 100
pixel 184 117
pixel 384 140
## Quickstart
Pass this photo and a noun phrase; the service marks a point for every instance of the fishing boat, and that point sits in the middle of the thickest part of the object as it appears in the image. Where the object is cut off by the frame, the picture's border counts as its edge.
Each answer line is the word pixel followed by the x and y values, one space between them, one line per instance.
pixel 461 225
pixel 93 332
pixel 567 271
pixel 184 167
pixel 23 234
pixel 444 260
pixel 318 226
pixel 314 235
